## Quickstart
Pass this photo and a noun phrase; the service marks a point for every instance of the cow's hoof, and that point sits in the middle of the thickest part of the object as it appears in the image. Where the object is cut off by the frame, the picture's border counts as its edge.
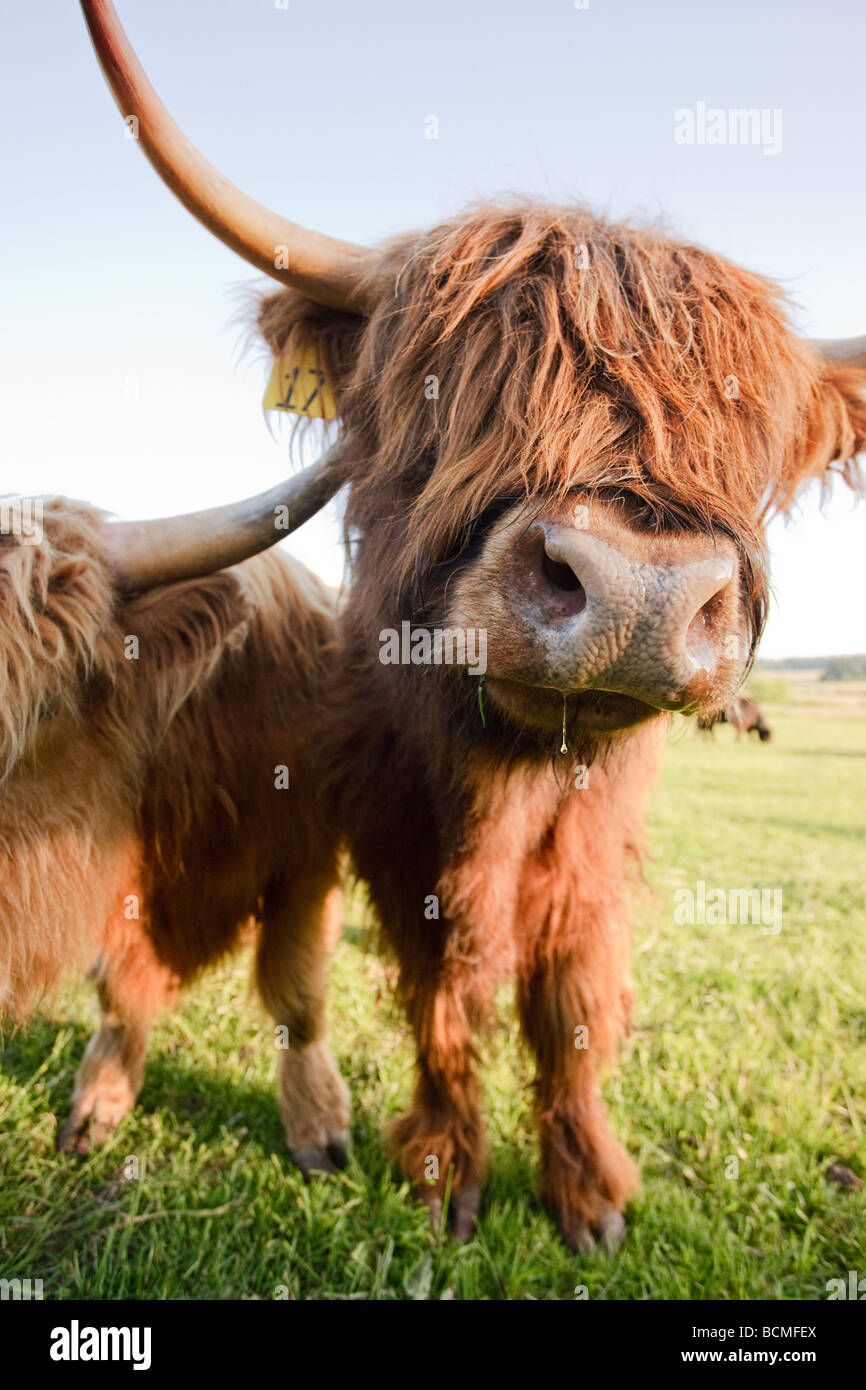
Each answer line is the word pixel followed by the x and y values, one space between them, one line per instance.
pixel 74 1137
pixel 80 1134
pixel 462 1212
pixel 331 1159
pixel 607 1233
pixel 314 1105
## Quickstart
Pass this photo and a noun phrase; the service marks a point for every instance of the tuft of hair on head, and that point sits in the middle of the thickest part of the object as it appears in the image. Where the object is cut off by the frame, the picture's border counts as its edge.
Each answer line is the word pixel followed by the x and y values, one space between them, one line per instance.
pixel 521 351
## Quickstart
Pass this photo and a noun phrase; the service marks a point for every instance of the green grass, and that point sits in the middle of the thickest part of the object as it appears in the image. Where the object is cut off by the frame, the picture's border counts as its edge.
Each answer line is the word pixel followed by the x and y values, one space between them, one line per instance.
pixel 745 1045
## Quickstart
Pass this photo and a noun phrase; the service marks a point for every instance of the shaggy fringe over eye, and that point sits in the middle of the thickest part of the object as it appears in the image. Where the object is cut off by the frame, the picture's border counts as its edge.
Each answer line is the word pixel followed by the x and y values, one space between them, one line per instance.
pixel 527 351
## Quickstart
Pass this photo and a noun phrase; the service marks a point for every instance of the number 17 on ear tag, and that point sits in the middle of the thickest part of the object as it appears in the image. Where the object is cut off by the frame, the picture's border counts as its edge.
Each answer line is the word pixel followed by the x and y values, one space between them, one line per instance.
pixel 299 385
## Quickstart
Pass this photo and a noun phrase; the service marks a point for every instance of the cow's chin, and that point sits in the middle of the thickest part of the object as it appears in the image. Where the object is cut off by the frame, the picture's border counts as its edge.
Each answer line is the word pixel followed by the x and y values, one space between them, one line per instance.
pixel 596 713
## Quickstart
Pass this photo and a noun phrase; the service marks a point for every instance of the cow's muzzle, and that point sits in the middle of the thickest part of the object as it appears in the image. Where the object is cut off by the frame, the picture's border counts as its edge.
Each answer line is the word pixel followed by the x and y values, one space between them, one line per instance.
pixel 665 632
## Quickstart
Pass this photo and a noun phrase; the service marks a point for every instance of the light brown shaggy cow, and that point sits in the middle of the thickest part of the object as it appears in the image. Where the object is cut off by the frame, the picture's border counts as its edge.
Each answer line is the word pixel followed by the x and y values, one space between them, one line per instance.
pixel 141 818
pixel 565 436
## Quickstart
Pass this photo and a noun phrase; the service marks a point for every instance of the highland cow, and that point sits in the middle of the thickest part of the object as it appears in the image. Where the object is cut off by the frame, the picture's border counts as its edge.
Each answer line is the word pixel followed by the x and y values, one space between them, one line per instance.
pixel 743 714
pixel 568 434
pixel 143 738
pixel 746 717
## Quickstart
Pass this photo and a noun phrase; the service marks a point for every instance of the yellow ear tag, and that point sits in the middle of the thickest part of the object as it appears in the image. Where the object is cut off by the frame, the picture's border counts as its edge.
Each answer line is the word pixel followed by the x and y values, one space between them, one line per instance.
pixel 298 384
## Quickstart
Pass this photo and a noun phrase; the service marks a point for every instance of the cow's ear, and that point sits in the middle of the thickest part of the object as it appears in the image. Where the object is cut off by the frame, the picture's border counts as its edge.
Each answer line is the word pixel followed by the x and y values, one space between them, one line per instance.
pixel 290 324
pixel 175 637
pixel 833 432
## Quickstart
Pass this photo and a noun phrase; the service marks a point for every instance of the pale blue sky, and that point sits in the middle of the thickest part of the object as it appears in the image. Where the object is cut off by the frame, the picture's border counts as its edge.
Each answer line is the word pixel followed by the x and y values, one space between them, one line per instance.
pixel 119 378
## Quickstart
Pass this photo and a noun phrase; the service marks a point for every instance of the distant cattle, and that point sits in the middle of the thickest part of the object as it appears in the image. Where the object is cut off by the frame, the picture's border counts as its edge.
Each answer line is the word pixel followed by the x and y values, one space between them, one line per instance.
pixel 743 714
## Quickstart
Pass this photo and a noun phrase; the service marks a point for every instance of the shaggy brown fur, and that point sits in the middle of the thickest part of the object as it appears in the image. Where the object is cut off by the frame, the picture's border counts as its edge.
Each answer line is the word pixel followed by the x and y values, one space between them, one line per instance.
pixel 528 354
pixel 140 821
pixel 551 378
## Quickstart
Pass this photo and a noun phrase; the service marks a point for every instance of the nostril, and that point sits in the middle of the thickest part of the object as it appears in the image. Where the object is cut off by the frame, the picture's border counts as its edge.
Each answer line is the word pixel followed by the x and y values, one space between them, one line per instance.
pixel 701 635
pixel 563 577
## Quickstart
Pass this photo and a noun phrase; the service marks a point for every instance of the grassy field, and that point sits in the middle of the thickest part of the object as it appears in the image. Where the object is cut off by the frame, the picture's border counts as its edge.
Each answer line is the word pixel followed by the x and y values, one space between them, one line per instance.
pixel 742 1082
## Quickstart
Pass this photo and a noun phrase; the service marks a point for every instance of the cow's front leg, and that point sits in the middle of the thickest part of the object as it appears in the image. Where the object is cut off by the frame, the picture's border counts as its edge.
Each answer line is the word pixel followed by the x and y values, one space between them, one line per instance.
pixel 291 968
pixel 440 1140
pixel 451 963
pixel 573 1005
pixel 133 987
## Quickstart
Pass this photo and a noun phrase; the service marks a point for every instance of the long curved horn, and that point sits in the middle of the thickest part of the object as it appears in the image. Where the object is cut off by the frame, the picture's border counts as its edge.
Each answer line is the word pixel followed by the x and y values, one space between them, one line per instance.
pixel 146 553
pixel 851 352
pixel 328 271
